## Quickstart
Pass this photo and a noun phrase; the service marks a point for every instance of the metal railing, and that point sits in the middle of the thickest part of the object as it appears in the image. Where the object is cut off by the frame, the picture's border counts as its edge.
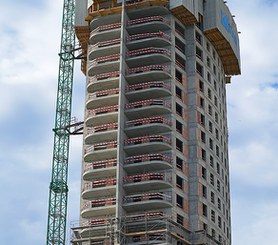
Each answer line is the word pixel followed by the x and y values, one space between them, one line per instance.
pixel 101 146
pixel 103 93
pixel 147 197
pixel 147 139
pixel 99 203
pixel 148 120
pixel 102 110
pixel 148 158
pixel 106 27
pixel 104 44
pixel 148 68
pixel 159 34
pixel 152 84
pixel 148 19
pixel 103 76
pixel 100 164
pixel 102 128
pixel 144 103
pixel 99 184
pixel 142 51
pixel 147 177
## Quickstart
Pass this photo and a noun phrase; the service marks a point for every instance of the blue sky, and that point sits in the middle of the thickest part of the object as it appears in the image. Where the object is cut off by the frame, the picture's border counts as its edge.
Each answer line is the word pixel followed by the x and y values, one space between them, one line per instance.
pixel 29 38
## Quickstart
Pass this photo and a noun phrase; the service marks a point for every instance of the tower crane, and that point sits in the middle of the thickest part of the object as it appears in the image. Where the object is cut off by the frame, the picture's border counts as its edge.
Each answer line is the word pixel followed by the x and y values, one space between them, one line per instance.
pixel 58 189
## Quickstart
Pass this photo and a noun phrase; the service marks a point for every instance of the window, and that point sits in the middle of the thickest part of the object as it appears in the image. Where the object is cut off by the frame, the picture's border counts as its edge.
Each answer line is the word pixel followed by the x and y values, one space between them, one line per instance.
pixel 208 61
pixel 217 150
pixel 198 37
pixel 218 185
pixel 210 143
pixel 215 101
pixel 209 77
pixel 213 233
pixel 204 173
pixel 179 109
pixel 218 168
pixel 178 92
pixel 212 197
pixel 209 93
pixel 211 161
pixel 179 163
pixel 203 120
pixel 204 155
pixel 212 179
pixel 215 85
pixel 205 227
pixel 217 134
pixel 199 53
pixel 214 70
pixel 210 126
pixel 210 110
pixel 179 219
pixel 205 210
pixel 200 21
pixel 178 76
pixel 208 46
pixel 213 54
pixel 202 102
pixel 179 182
pixel 219 203
pixel 216 117
pixel 199 69
pixel 212 217
pixel 201 86
pixel 204 191
pixel 179 127
pixel 219 222
pixel 179 45
pixel 179 145
pixel 179 201
pixel 179 29
pixel 203 137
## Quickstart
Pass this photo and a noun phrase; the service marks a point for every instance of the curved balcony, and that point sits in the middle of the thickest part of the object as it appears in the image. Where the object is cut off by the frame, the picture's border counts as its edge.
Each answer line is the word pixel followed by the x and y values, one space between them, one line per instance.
pixel 105 33
pixel 147 143
pixel 148 125
pixel 105 114
pixel 96 227
pixel 102 98
pixel 107 80
pixel 147 162
pixel 101 132
pixel 104 48
pixel 98 188
pixel 153 89
pixel 100 169
pixel 104 63
pixel 153 238
pixel 147 201
pixel 149 39
pixel 149 72
pixel 147 108
pixel 148 56
pixel 97 207
pixel 147 182
pixel 148 24
pixel 97 151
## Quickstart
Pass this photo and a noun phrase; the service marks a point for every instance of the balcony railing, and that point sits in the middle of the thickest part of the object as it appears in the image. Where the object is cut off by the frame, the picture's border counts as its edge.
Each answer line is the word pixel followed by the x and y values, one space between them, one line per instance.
pixel 147 197
pixel 103 93
pixel 148 237
pixel 146 177
pixel 143 51
pixel 148 120
pixel 148 158
pixel 103 59
pixel 147 139
pixel 104 76
pixel 145 216
pixel 152 84
pixel 101 146
pixel 100 164
pixel 179 64
pixel 159 34
pixel 148 68
pixel 103 110
pixel 102 128
pixel 148 19
pixel 96 222
pixel 107 27
pixel 105 44
pixel 99 203
pixel 144 103
pixel 99 184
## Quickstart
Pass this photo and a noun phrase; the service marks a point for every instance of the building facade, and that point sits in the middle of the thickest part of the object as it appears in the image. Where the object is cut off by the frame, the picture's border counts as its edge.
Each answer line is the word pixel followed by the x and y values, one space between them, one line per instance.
pixel 155 157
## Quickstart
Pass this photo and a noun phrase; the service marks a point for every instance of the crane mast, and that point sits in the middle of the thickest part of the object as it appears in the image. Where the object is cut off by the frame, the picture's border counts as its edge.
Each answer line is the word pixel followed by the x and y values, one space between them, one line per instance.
pixel 58 189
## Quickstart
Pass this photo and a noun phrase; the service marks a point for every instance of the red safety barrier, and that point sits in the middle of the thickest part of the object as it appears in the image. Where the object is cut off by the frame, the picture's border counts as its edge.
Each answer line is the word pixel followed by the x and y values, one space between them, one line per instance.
pixel 149 68
pixel 99 203
pixel 159 34
pixel 143 51
pixel 101 146
pixel 101 164
pixel 148 157
pixel 148 120
pixel 150 102
pixel 146 139
pixel 104 44
pixel 106 27
pixel 152 84
pixel 102 110
pixel 103 59
pixel 148 19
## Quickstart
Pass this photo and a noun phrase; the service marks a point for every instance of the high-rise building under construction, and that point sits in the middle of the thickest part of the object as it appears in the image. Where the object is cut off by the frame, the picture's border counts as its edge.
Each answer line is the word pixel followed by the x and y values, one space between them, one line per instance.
pixel 155 156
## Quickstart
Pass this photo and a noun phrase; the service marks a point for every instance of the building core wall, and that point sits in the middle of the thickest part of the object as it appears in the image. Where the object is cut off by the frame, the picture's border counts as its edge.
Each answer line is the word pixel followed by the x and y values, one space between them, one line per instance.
pixel 155 165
